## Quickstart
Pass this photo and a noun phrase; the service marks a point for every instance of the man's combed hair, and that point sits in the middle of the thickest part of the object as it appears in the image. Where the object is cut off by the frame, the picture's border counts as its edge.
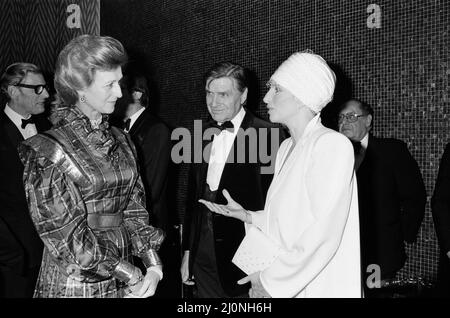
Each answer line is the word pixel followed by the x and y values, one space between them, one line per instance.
pixel 81 58
pixel 365 107
pixel 15 73
pixel 140 84
pixel 228 69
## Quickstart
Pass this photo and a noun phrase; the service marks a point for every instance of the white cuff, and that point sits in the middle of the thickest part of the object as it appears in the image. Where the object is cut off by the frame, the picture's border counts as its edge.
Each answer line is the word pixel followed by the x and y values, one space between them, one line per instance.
pixel 157 270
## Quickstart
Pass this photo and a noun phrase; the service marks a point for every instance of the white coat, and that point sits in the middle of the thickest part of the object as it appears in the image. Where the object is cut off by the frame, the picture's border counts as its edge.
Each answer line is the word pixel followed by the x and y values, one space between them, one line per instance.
pixel 311 211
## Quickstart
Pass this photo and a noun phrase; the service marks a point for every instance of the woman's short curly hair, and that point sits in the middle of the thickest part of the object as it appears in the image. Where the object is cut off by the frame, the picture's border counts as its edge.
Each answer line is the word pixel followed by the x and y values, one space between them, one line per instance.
pixel 81 58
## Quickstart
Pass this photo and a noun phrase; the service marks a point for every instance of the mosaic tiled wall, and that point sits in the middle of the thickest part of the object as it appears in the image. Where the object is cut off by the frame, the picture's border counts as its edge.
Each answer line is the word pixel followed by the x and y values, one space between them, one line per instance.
pixel 36 30
pixel 393 54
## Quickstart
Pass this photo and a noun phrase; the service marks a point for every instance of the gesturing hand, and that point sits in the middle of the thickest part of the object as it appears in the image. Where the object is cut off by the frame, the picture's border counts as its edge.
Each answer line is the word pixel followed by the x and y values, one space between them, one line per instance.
pixel 231 209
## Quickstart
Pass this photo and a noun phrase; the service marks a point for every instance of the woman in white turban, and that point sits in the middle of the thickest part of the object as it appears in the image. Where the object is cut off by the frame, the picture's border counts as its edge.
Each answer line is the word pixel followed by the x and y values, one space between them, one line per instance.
pixel 311 209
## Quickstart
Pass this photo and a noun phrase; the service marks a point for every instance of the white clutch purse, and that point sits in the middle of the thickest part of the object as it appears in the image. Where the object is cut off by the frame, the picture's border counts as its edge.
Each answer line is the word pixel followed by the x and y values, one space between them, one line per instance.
pixel 256 252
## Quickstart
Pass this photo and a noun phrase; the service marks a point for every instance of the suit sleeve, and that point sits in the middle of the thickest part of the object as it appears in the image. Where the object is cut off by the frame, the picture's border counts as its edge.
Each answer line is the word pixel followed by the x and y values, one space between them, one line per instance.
pixel 190 203
pixel 440 203
pixel 145 238
pixel 411 191
pixel 156 147
pixel 136 218
pixel 326 178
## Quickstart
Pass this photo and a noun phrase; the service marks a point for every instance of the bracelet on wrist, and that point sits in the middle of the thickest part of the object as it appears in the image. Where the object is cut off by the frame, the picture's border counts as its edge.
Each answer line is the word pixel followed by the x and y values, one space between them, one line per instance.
pixel 139 279
pixel 150 258
pixel 124 271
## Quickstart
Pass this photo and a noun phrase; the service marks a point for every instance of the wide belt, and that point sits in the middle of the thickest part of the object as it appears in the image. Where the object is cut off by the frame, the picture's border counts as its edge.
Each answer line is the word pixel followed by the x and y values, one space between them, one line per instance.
pixel 104 221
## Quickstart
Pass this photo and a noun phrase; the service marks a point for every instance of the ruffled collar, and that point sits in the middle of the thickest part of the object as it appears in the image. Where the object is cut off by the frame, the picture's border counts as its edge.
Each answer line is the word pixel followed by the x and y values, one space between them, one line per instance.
pixel 99 137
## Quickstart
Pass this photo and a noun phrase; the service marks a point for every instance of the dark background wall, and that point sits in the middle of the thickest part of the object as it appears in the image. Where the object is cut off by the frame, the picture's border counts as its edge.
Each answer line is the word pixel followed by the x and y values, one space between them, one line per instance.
pixel 402 68
pixel 35 31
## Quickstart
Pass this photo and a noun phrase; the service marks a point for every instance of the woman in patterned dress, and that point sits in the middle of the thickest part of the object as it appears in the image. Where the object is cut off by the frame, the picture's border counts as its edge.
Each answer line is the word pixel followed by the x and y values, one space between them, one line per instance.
pixel 84 192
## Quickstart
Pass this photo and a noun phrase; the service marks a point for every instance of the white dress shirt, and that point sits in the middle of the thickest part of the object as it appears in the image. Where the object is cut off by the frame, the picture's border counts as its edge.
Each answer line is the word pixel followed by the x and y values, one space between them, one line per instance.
pixel 134 117
pixel 27 132
pixel 220 149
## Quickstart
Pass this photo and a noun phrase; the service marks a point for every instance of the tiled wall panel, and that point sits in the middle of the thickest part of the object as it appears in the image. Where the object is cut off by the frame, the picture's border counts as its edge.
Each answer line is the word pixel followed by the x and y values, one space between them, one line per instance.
pixel 36 30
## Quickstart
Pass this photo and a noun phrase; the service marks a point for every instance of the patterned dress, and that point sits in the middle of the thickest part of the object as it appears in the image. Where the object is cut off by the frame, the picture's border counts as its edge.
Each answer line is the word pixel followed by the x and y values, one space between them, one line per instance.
pixel 86 200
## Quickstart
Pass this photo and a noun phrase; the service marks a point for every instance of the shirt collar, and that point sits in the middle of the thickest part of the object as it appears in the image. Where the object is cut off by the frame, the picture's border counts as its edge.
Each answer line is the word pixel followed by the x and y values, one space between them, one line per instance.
pixel 237 120
pixel 135 116
pixel 15 117
pixel 365 141
pixel 310 127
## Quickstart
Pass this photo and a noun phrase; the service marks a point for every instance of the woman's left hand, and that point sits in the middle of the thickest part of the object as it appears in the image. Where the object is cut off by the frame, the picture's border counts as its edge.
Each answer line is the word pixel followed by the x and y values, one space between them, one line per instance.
pixel 149 284
pixel 232 209
pixel 257 290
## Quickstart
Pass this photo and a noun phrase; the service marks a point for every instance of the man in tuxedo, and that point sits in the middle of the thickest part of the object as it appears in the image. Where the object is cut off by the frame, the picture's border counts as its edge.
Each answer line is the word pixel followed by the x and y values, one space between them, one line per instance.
pixel 391 196
pixel 22 117
pixel 210 240
pixel 152 140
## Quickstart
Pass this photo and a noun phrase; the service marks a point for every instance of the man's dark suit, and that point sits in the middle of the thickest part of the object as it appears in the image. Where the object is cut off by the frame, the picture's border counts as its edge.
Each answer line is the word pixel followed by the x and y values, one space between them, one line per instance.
pixel 17 278
pixel 153 145
pixel 152 140
pixel 246 186
pixel 392 201
pixel 440 205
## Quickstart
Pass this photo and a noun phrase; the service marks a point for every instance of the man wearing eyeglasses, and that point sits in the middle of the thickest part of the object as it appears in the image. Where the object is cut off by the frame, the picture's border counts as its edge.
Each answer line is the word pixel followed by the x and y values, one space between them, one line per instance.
pixel 22 117
pixel 391 196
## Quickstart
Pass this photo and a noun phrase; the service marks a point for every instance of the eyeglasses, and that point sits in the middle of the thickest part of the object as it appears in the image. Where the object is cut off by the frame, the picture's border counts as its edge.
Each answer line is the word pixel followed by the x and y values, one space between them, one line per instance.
pixel 350 117
pixel 38 89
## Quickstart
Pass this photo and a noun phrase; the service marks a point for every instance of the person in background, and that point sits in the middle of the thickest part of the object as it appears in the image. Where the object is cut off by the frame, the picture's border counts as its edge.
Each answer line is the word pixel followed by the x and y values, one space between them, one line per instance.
pixel 21 118
pixel 391 196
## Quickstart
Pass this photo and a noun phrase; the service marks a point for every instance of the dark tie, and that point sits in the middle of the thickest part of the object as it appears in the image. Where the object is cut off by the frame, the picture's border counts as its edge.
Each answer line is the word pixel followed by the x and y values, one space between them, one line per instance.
pixel 25 122
pixel 228 125
pixel 356 146
pixel 359 155
pixel 127 124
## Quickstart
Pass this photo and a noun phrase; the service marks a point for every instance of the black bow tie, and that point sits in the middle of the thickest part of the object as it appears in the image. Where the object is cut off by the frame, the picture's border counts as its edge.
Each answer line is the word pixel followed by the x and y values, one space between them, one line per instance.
pixel 126 125
pixel 228 125
pixel 356 146
pixel 25 122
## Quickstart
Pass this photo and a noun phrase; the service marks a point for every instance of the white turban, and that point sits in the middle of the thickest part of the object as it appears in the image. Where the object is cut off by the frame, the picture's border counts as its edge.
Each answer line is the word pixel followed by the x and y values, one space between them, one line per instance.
pixel 309 78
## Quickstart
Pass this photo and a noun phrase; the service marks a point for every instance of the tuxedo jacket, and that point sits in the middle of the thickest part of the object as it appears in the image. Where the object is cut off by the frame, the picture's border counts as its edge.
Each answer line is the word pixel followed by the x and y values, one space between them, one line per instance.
pixel 152 140
pixel 246 185
pixel 392 202
pixel 15 219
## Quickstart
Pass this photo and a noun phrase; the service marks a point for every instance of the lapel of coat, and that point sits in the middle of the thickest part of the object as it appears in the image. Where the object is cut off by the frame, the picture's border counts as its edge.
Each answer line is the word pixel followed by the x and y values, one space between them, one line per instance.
pixel 206 153
pixel 138 123
pixel 368 153
pixel 12 132
pixel 296 155
pixel 42 124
